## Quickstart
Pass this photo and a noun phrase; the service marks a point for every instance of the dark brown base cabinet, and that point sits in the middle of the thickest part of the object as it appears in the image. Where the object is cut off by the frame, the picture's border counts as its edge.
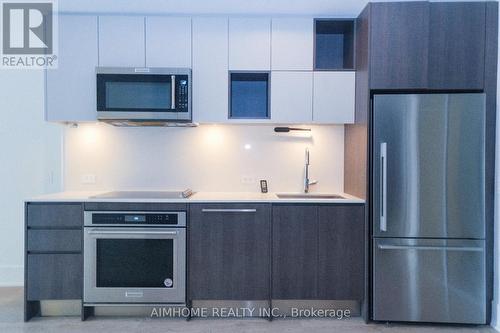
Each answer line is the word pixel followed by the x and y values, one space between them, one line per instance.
pixel 53 255
pixel 318 252
pixel 247 251
pixel 229 251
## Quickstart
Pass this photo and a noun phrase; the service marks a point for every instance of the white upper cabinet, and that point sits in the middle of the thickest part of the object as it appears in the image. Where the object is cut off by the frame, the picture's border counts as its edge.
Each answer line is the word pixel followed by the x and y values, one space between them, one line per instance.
pixel 291 97
pixel 292 44
pixel 211 46
pixel 210 69
pixel 333 97
pixel 168 41
pixel 70 88
pixel 249 44
pixel 121 41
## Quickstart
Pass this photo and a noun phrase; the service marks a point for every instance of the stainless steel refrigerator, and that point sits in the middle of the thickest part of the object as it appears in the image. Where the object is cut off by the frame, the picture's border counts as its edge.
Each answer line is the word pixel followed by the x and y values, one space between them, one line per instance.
pixel 428 208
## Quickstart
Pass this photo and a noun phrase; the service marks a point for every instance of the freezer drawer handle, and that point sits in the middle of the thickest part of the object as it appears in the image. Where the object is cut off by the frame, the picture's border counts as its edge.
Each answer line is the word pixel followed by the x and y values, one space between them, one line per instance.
pixel 432 248
pixel 209 210
pixel 383 186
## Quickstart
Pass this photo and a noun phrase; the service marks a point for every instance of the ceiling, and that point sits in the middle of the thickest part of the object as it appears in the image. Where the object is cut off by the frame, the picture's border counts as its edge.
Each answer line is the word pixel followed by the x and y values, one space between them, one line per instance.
pixel 332 8
pixel 338 8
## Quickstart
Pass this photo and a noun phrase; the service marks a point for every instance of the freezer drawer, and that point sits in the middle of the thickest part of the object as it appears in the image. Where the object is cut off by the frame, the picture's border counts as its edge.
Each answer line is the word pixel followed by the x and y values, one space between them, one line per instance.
pixel 426 280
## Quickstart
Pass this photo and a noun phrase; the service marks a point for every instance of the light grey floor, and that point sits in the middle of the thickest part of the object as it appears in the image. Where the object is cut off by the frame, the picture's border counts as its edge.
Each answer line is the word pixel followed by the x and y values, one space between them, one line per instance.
pixel 11 320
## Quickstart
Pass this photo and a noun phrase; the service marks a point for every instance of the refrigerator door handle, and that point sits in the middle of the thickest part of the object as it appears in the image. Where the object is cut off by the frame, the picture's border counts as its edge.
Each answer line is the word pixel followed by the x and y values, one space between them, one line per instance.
pixel 383 186
pixel 431 248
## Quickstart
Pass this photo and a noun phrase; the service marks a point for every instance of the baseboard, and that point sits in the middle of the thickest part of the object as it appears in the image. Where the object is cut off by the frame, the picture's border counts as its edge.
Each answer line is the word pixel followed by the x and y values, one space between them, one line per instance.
pixel 11 275
pixel 495 316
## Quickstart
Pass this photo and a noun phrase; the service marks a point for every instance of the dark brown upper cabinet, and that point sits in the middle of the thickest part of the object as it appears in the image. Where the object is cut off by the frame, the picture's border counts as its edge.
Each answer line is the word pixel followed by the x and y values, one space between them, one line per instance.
pixel 457 45
pixel 399 45
pixel 427 45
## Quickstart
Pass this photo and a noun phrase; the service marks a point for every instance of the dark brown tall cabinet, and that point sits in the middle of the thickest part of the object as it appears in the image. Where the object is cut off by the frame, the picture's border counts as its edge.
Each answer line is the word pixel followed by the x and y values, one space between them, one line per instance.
pixel 427 45
pixel 422 47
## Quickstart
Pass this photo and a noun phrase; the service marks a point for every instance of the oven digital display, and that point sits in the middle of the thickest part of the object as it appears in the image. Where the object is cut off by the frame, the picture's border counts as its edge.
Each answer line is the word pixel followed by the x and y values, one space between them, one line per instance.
pixel 135 218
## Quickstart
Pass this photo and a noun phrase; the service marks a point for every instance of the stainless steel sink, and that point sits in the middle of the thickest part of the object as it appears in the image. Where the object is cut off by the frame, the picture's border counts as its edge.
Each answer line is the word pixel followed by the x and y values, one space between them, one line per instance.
pixel 308 196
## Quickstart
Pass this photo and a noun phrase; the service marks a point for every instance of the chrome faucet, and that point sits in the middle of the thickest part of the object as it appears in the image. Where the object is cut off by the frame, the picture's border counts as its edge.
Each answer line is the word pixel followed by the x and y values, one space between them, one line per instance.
pixel 307 182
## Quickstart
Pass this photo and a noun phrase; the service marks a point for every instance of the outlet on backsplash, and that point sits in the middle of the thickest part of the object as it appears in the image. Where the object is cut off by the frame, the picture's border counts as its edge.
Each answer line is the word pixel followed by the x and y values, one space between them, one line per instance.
pixel 88 179
pixel 247 180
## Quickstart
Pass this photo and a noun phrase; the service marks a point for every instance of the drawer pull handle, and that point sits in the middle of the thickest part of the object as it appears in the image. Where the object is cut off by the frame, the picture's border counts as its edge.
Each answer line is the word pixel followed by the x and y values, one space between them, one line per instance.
pixel 215 210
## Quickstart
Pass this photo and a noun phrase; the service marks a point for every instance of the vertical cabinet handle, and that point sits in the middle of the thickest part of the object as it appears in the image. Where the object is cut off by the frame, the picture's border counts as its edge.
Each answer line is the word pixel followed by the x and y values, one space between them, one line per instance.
pixel 383 186
pixel 172 100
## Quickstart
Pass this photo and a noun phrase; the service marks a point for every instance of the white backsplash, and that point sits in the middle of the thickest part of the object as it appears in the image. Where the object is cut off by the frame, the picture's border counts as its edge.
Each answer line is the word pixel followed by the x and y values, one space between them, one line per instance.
pixel 206 158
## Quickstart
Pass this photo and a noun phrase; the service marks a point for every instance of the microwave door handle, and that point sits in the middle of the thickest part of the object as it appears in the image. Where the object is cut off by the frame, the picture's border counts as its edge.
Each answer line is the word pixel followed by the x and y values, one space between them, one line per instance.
pixel 172 99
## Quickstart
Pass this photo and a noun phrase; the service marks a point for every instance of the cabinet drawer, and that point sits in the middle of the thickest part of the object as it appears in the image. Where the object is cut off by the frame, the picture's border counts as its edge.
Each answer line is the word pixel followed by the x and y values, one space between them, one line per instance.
pixel 55 215
pixel 54 276
pixel 55 240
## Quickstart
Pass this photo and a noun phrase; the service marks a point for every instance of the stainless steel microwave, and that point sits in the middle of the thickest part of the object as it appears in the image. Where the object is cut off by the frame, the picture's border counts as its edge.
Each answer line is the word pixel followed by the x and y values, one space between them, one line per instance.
pixel 144 94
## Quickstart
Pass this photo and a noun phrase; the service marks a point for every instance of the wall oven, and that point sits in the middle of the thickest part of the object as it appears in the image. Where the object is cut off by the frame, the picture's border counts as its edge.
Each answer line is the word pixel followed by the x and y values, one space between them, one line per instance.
pixel 134 257
pixel 143 94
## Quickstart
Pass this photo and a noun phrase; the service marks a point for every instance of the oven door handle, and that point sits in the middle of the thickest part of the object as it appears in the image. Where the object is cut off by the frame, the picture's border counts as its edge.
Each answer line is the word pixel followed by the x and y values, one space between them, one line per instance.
pixel 117 232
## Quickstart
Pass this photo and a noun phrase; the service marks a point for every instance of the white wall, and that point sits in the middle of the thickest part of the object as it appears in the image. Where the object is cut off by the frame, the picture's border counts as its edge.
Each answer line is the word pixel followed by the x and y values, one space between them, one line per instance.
pixel 205 158
pixel 30 162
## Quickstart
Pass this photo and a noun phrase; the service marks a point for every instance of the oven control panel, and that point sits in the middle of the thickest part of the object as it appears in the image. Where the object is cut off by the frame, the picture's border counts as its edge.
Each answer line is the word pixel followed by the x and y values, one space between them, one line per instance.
pixel 135 218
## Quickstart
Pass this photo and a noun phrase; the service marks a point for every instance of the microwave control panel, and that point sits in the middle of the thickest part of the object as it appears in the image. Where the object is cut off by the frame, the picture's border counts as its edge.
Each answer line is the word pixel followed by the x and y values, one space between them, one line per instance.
pixel 182 93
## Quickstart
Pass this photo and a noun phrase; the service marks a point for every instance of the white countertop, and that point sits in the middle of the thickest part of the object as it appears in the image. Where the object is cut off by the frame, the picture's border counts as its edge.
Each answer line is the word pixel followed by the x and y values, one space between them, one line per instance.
pixel 209 197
